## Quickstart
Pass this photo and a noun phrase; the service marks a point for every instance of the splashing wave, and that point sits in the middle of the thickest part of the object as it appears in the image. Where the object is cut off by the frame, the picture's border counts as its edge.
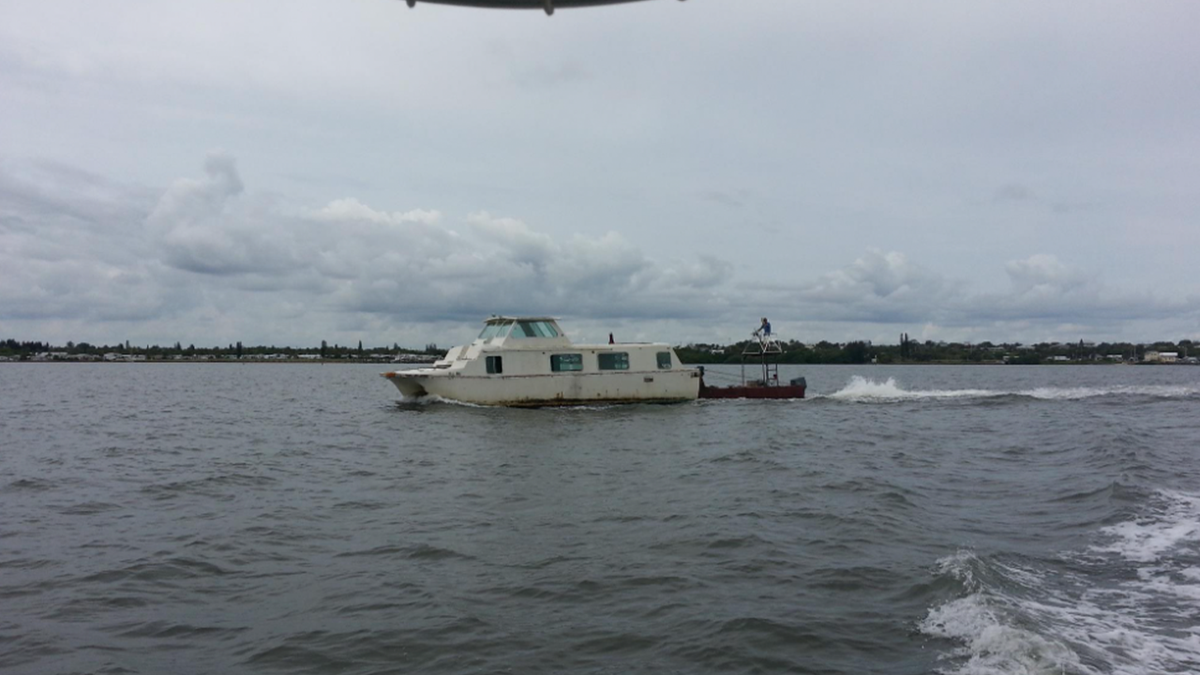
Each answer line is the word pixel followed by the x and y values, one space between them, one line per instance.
pixel 1123 607
pixel 865 390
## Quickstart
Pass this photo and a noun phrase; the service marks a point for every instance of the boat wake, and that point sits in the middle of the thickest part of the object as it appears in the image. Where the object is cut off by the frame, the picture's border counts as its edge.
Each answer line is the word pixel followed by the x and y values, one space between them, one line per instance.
pixel 429 400
pixel 864 390
pixel 1126 606
pixel 419 402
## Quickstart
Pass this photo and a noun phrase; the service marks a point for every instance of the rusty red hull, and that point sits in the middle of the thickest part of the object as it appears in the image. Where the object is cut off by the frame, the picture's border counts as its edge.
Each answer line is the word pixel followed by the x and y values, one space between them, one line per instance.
pixel 781 391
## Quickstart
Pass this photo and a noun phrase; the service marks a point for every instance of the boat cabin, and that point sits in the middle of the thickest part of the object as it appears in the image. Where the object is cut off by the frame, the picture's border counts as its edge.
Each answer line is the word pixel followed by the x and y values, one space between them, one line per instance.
pixel 536 345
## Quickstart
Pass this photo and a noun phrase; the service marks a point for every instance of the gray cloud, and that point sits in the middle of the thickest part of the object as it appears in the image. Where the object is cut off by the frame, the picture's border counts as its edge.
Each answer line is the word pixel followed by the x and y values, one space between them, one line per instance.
pixel 880 287
pixel 1017 193
pixel 1014 192
pixel 555 76
pixel 210 252
pixel 208 244
pixel 733 199
pixel 203 226
pixel 843 167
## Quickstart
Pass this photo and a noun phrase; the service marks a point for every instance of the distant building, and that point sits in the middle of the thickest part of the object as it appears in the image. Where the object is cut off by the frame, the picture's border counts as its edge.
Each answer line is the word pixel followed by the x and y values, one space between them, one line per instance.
pixel 50 356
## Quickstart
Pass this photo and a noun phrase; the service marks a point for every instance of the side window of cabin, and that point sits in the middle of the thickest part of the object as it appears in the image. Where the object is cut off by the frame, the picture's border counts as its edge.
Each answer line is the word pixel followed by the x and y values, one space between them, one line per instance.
pixel 664 360
pixel 495 365
pixel 613 361
pixel 566 362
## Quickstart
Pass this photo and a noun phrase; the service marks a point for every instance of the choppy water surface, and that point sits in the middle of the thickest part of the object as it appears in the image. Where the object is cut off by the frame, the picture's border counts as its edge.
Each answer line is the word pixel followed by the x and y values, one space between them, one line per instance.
pixel 209 518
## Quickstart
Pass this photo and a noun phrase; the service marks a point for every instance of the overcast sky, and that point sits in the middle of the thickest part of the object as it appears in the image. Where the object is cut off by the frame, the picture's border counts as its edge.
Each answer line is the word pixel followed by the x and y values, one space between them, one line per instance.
pixel 290 171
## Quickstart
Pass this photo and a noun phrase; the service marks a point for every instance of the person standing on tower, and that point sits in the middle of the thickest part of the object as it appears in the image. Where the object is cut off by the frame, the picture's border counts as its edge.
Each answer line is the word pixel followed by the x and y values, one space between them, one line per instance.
pixel 764 330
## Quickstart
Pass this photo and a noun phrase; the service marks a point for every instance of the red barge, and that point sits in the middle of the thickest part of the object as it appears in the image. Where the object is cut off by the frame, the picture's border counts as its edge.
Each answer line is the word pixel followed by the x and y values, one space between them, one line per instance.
pixel 763 352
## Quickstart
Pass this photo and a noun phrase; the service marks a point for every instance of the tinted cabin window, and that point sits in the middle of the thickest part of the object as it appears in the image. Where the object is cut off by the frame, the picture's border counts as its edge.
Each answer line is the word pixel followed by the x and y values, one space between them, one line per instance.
pixel 495 365
pixel 664 360
pixel 534 329
pixel 566 362
pixel 493 329
pixel 613 361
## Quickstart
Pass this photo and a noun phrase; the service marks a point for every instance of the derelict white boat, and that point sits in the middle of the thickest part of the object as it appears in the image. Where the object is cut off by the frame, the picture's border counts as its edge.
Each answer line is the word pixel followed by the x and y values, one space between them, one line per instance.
pixel 529 361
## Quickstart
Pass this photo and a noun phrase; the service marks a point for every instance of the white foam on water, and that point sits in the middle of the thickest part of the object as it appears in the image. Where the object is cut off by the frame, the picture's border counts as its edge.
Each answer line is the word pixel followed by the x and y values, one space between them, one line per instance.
pixel 1172 526
pixel 988 627
pixel 1091 620
pixel 1076 393
pixel 434 399
pixel 865 390
pixel 992 645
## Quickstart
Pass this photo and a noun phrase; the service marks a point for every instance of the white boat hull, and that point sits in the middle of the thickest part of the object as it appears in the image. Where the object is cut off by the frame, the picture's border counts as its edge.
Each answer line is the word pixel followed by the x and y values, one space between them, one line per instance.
pixel 563 389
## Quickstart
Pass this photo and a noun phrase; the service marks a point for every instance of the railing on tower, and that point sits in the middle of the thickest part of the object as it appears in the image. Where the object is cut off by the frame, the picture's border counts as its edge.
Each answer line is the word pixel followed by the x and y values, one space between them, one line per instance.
pixel 760 350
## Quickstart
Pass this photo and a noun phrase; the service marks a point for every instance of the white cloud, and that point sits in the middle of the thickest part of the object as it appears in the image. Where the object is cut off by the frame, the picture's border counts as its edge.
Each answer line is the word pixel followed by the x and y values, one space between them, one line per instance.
pixel 522 245
pixel 1042 275
pixel 881 287
pixel 204 226
pixel 208 261
pixel 350 209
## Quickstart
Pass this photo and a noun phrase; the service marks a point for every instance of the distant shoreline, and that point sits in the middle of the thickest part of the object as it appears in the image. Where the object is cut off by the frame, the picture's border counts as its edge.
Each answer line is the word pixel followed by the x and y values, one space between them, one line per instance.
pixel 375 362
pixel 243 361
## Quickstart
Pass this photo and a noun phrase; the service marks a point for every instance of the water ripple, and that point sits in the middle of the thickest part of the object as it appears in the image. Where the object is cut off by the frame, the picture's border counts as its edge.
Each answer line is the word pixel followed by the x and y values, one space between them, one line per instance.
pixel 294 519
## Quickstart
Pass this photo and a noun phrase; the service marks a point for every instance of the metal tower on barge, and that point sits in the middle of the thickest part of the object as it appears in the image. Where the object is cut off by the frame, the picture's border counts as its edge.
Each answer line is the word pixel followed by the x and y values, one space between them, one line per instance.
pixel 762 356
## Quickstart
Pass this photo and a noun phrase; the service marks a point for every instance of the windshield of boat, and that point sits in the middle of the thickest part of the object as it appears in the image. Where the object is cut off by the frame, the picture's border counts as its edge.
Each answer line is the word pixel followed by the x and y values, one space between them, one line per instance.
pixel 493 329
pixel 520 329
pixel 534 329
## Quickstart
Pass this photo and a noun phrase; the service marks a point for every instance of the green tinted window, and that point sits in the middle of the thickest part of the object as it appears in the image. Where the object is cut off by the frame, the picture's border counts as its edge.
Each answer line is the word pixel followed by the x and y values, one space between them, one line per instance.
pixel 534 329
pixel 613 361
pixel 664 360
pixel 493 329
pixel 566 362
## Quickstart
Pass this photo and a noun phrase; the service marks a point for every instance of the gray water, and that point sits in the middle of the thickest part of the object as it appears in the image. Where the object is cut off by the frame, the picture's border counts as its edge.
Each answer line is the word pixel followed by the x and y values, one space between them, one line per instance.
pixel 231 518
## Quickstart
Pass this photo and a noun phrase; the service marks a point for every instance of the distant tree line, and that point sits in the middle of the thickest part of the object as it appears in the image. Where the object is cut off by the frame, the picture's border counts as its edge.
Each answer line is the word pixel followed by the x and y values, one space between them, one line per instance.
pixel 912 351
pixel 24 350
pixel 858 351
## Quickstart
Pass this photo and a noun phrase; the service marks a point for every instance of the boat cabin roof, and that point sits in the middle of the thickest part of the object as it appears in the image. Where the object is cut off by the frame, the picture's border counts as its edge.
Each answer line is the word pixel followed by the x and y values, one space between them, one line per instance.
pixel 509 319
pixel 498 329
